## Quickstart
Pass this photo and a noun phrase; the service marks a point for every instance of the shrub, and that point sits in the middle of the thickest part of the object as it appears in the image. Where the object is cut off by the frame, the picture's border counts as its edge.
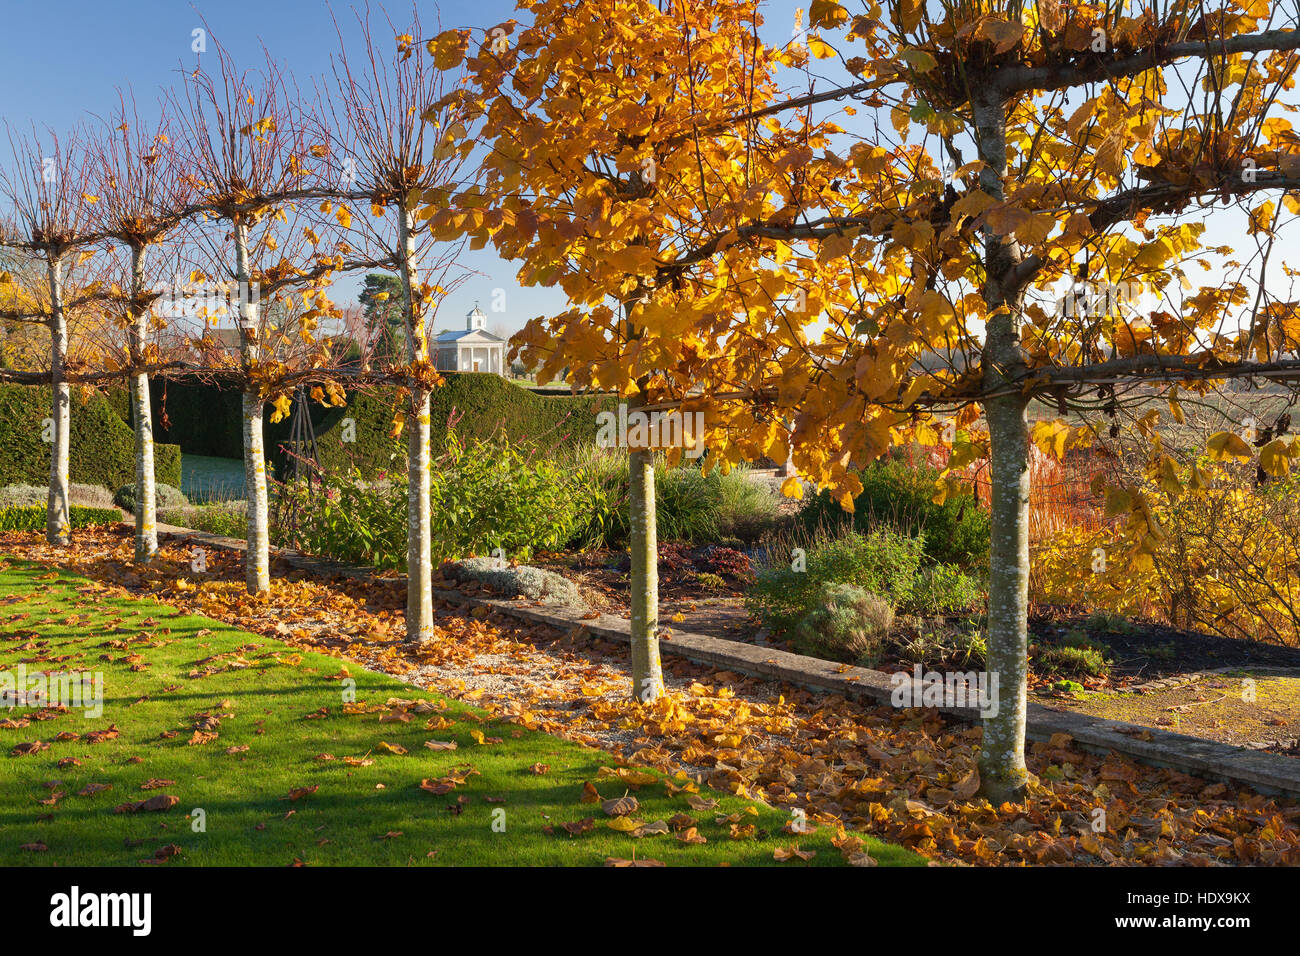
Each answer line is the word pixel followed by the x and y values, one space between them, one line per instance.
pixel 165 496
pixel 603 475
pixel 898 496
pixel 348 519
pixel 536 584
pixel 1224 558
pixel 229 519
pixel 943 589
pixel 883 562
pixel 89 496
pixel 847 624
pixel 689 505
pixel 714 582
pixel 491 494
pixel 1064 659
pixel 102 449
pixel 960 646
pixel 698 508
pixel 484 496
pixel 32 517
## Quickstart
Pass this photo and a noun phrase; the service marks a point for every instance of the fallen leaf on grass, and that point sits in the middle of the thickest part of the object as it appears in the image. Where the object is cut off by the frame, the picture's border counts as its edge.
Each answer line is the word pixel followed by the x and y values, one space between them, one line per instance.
pixel 440 744
pixel 163 854
pixel 99 736
pixel 783 853
pixel 636 778
pixel 620 806
pixel 297 793
pixel 616 861
pixel 164 801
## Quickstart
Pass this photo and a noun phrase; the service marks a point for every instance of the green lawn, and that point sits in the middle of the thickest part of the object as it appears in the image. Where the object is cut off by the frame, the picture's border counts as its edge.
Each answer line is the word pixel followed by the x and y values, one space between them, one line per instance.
pixel 277 712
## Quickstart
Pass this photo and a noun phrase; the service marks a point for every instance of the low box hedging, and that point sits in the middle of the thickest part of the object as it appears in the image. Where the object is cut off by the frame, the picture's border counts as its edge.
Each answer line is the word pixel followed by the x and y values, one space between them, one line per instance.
pixel 32 517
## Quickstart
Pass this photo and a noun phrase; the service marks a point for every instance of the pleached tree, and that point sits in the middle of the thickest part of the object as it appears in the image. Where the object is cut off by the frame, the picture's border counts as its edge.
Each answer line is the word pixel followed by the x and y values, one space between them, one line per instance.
pixel 50 230
pixel 594 177
pixel 140 198
pixel 397 142
pixel 245 152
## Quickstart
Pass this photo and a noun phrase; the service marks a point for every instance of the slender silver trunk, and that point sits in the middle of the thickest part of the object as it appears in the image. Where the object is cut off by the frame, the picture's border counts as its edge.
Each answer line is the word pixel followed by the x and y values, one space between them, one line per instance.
pixel 58 524
pixel 257 556
pixel 1002 755
pixel 146 517
pixel 419 536
pixel 647 674
pixel 419 560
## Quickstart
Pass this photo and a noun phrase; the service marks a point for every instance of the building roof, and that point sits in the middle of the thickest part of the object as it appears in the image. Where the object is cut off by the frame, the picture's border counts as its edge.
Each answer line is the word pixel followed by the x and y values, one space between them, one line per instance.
pixel 483 335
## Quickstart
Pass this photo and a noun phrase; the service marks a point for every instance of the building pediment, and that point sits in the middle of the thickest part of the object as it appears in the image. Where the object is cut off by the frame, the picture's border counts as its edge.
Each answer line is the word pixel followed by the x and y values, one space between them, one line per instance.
pixel 469 337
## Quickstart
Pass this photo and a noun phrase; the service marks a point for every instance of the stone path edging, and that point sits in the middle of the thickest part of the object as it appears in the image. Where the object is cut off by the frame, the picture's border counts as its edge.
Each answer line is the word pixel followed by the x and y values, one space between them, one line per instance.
pixel 1265 772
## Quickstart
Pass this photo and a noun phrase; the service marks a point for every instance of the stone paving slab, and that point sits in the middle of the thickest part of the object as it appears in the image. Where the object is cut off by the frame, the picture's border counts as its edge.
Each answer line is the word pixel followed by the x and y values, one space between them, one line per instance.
pixel 1267 773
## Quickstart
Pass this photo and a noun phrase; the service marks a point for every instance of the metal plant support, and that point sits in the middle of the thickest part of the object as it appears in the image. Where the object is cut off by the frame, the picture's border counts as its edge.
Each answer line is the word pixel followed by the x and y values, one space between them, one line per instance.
pixel 301 477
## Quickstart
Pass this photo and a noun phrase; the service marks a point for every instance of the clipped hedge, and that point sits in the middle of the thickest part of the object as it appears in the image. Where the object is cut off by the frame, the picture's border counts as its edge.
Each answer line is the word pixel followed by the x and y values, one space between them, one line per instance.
pixel 32 517
pixel 103 446
pixel 484 404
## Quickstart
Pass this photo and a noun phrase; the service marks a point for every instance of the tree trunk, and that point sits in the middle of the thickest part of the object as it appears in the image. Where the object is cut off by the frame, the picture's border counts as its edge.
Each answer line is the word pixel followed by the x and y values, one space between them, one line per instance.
pixel 1003 775
pixel 58 523
pixel 1002 758
pixel 647 674
pixel 257 555
pixel 419 535
pixel 419 544
pixel 146 517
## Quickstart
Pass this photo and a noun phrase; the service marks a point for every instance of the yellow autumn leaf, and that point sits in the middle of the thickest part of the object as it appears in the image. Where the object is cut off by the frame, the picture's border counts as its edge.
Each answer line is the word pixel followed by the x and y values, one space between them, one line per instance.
pixel 826 13
pixel 1275 458
pixel 1225 445
pixel 448 48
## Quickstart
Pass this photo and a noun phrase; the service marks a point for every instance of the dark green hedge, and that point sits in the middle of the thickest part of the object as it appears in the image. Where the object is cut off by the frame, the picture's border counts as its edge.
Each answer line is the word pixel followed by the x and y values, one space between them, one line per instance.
pixel 206 418
pixel 32 518
pixel 484 404
pixel 103 446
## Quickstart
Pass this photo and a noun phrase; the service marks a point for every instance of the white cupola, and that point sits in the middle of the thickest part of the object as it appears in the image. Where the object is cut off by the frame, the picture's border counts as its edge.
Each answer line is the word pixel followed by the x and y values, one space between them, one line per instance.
pixel 475 319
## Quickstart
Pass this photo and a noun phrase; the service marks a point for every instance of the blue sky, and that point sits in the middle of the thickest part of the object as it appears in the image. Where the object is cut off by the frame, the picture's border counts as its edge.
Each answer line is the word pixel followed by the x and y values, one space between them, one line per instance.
pixel 63 60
